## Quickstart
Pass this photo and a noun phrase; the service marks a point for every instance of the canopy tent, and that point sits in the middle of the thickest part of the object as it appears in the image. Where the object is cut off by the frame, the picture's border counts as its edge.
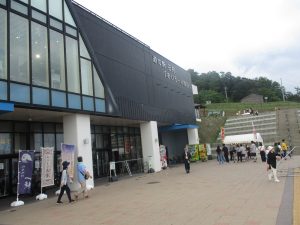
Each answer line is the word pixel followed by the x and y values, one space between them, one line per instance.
pixel 242 138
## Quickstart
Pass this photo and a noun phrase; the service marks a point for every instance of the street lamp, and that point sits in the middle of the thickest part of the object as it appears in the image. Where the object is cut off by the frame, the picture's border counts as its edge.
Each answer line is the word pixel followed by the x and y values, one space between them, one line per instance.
pixel 266 99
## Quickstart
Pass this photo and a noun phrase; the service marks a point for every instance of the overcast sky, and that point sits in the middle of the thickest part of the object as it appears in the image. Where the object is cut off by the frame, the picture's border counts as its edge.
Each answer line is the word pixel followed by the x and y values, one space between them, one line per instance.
pixel 249 38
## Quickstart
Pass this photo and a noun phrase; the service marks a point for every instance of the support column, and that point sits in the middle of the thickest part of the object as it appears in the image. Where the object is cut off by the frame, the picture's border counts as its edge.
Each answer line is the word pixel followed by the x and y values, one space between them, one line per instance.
pixel 150 145
pixel 193 136
pixel 77 131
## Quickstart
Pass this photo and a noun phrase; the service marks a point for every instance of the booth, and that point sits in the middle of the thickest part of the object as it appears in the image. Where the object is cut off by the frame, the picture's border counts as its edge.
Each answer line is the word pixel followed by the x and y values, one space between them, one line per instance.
pixel 243 138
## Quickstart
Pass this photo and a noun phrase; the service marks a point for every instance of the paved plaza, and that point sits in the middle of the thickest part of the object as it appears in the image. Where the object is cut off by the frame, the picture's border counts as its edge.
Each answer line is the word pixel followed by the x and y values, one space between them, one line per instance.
pixel 212 194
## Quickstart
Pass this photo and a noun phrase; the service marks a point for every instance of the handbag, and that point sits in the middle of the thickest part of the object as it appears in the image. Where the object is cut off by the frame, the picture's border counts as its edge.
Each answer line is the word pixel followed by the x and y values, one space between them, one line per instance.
pixel 85 175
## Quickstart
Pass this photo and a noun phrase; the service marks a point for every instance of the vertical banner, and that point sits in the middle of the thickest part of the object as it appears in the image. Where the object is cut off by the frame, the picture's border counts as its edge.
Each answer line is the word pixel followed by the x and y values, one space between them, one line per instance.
pixel 222 134
pixel 67 154
pixel 25 171
pixel 254 132
pixel 47 177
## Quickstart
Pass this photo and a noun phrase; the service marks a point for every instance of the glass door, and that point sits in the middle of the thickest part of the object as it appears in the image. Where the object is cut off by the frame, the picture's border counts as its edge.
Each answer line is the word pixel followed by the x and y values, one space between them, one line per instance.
pixel 4 177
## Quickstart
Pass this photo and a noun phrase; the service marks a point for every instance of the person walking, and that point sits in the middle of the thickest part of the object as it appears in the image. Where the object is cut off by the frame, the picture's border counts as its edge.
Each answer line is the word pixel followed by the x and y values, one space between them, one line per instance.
pixel 225 151
pixel 220 155
pixel 64 181
pixel 262 152
pixel 187 159
pixel 272 158
pixel 284 148
pixel 253 150
pixel 82 175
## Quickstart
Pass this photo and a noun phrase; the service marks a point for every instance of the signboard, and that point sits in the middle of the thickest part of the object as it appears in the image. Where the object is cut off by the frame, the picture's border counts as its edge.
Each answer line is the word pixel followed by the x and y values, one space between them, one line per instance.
pixel 47 177
pixel 25 171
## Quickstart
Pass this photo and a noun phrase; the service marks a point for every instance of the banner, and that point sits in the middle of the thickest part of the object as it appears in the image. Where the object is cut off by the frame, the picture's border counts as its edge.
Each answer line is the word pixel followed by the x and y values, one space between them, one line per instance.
pixel 47 177
pixel 67 154
pixel 25 171
pixel 222 134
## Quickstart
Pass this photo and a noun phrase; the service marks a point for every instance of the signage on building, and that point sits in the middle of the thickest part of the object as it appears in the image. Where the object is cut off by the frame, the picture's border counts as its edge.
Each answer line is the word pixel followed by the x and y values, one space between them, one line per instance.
pixel 169 71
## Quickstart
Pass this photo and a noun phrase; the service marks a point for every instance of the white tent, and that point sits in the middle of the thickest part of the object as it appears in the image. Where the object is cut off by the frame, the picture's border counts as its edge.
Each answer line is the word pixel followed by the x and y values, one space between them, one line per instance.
pixel 242 138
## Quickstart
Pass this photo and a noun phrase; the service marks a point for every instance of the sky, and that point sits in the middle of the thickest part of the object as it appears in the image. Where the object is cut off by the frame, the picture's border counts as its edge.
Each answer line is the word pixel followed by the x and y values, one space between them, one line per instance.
pixel 249 38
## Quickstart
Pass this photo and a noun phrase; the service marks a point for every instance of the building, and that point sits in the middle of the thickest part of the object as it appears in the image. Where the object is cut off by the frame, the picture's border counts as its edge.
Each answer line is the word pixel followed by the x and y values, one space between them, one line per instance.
pixel 69 76
pixel 253 98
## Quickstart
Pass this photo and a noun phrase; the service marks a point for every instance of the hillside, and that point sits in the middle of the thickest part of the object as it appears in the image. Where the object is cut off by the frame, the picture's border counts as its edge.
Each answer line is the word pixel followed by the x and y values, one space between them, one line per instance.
pixel 210 125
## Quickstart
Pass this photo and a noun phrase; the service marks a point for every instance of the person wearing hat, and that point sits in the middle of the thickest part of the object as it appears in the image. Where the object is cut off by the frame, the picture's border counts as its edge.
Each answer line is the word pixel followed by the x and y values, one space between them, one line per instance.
pixel 271 161
pixel 65 179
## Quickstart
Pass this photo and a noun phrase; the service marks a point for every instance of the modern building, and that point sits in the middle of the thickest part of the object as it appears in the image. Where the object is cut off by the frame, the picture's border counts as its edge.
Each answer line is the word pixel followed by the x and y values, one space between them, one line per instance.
pixel 69 76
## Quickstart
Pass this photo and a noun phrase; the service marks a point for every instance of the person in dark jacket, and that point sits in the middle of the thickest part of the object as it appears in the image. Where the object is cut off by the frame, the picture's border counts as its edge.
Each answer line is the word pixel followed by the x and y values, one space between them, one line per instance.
pixel 271 161
pixel 187 159
pixel 226 152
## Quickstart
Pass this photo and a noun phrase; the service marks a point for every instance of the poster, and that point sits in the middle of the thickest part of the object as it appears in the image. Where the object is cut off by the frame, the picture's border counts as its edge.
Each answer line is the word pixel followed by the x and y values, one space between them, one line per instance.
pixel 194 150
pixel 47 177
pixel 25 171
pixel 67 154
pixel 163 156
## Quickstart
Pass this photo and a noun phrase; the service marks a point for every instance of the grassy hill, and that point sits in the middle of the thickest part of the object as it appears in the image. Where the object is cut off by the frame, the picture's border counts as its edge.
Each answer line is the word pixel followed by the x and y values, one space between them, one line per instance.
pixel 210 125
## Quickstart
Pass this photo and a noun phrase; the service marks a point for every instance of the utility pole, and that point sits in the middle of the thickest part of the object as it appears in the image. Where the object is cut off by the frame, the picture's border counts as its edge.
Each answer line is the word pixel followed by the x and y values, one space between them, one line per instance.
pixel 282 90
pixel 226 94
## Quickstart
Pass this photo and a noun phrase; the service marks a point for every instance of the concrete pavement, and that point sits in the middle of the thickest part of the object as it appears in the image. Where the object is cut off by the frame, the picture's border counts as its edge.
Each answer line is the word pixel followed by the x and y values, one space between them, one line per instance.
pixel 212 194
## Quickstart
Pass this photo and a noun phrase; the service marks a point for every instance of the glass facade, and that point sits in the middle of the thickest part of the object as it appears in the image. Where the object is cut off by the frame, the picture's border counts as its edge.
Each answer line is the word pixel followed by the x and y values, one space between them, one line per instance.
pixel 19 49
pixel 3 44
pixel 57 58
pixel 39 49
pixel 46 60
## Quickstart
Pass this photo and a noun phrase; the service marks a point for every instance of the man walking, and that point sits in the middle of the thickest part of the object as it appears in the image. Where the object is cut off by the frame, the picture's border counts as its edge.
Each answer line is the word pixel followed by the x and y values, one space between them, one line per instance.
pixel 82 175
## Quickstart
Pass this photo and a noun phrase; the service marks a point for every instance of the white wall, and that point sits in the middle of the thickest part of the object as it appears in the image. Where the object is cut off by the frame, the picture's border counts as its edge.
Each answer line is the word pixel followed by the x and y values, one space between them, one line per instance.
pixel 150 144
pixel 77 131
pixel 193 136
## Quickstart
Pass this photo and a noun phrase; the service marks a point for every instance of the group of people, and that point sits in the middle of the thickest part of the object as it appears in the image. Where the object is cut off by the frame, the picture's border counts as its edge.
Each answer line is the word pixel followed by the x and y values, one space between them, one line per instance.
pixel 269 155
pixel 82 175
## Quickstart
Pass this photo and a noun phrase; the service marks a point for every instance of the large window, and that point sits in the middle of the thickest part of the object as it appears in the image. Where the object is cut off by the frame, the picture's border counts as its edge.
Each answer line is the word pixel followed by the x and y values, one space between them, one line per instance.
pixel 3 44
pixel 99 89
pixel 19 49
pixel 55 8
pixel 86 77
pixel 5 143
pixel 68 16
pixel 39 4
pixel 39 43
pixel 57 59
pixel 72 65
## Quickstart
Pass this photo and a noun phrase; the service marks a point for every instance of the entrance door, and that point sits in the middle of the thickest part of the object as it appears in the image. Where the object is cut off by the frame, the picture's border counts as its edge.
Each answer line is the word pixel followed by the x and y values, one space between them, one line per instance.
pixel 4 177
pixel 101 162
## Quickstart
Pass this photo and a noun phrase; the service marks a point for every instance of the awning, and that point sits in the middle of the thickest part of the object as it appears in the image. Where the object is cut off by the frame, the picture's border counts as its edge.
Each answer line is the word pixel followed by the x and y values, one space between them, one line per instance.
pixel 6 107
pixel 177 127
pixel 242 138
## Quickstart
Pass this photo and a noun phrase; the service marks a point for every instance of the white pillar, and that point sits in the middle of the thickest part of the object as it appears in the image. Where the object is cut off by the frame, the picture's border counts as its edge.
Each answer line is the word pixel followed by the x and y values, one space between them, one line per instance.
pixel 77 131
pixel 150 144
pixel 193 136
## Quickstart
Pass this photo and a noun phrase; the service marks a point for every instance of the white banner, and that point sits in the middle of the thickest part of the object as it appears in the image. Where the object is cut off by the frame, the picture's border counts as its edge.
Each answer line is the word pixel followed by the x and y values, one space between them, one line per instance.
pixel 47 177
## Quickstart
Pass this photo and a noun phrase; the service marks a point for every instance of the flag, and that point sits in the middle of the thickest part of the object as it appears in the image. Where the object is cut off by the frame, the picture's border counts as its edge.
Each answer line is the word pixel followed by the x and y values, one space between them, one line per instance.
pixel 47 177
pixel 222 134
pixel 254 132
pixel 25 171
pixel 67 154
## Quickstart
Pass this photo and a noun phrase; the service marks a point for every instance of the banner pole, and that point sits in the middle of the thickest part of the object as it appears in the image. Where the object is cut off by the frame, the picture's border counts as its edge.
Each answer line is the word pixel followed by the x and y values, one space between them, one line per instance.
pixel 18 203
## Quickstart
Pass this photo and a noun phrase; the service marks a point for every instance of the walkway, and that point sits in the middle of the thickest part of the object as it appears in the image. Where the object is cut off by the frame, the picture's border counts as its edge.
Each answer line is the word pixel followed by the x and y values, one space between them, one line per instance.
pixel 212 194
